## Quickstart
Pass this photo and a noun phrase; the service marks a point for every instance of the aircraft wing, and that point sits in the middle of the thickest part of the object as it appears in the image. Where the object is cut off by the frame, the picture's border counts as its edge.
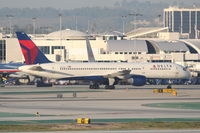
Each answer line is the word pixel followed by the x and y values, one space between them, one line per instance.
pixel 100 78
pixel 119 74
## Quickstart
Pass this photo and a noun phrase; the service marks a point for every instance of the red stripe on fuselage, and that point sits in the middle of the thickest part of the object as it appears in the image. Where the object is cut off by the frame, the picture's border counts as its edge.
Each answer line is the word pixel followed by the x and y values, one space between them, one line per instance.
pixel 7 71
pixel 33 50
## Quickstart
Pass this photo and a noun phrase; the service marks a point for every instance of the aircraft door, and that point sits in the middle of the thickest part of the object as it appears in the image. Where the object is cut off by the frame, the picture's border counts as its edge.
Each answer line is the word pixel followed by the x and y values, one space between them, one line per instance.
pixel 143 70
pixel 177 72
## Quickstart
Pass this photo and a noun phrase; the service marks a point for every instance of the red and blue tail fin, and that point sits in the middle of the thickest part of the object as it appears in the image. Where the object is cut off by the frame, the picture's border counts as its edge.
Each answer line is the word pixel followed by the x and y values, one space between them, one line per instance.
pixel 31 52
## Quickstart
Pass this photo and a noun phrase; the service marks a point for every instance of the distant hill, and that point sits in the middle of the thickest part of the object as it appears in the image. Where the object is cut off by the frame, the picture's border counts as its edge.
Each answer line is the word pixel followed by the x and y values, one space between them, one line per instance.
pixel 94 19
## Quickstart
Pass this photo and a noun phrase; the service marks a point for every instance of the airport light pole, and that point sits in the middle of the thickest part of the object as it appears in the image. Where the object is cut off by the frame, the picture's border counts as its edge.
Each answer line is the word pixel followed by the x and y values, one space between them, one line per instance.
pixel 76 22
pixel 10 23
pixel 88 28
pixel 123 24
pixel 60 21
pixel 135 15
pixel 34 25
pixel 159 18
pixel 60 18
pixel 61 47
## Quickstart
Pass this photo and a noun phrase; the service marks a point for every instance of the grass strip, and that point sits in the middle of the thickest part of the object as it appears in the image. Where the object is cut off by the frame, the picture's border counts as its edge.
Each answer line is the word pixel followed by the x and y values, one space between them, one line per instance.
pixel 99 126
pixel 181 105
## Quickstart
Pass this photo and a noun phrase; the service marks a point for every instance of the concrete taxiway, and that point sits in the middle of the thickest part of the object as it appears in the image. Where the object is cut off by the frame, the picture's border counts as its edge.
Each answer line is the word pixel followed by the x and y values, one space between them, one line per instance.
pixel 21 103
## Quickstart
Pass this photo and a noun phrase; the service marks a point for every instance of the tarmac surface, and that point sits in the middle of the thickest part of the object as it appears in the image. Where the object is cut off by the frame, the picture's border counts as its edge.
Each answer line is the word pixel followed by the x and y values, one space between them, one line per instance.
pixel 60 104
pixel 126 131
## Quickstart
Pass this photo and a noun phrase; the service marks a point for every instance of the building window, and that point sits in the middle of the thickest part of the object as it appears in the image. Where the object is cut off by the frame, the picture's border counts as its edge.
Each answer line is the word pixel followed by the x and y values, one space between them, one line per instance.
pixel 44 49
pixel 185 22
pixel 135 57
pixel 2 50
pixel 56 47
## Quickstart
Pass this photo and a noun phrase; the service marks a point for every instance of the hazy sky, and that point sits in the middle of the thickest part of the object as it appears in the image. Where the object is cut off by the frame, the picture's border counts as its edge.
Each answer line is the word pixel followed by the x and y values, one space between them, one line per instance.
pixel 70 4
pixel 63 4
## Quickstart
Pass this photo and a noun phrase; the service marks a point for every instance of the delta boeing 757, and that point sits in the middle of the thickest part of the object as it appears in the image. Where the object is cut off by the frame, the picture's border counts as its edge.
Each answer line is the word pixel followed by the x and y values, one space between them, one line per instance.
pixel 108 74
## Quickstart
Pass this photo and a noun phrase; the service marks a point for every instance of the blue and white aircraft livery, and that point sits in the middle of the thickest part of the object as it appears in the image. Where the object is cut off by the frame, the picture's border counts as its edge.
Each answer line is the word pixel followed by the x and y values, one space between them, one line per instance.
pixel 108 74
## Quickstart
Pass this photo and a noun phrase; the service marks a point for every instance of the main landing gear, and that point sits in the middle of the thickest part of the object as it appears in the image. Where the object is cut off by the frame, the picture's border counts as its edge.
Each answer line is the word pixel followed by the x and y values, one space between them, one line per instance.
pixel 94 86
pixel 169 86
pixel 40 83
pixel 110 84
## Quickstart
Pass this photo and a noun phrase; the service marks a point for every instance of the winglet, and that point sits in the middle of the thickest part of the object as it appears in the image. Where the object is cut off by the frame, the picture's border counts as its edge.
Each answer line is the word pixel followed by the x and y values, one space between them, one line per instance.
pixel 31 52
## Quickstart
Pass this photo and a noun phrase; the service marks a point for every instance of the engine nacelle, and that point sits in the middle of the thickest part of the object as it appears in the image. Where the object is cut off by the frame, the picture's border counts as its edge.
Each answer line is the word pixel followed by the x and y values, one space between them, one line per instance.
pixel 23 81
pixel 22 78
pixel 137 80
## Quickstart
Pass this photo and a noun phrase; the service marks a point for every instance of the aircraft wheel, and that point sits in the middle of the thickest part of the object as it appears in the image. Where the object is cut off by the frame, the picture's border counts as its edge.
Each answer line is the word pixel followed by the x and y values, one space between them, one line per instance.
pixel 91 87
pixel 94 86
pixel 169 86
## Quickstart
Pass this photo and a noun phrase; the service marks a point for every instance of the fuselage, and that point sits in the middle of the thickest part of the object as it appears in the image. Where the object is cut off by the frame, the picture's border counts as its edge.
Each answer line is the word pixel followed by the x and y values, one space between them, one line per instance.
pixel 149 70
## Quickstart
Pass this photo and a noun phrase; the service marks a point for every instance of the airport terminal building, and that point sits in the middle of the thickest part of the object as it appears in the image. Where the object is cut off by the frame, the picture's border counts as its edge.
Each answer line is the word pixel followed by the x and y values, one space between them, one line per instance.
pixel 72 47
pixel 183 20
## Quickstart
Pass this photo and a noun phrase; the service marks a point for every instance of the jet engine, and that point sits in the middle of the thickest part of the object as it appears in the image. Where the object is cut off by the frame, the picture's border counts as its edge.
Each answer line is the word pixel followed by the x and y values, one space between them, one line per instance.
pixel 22 78
pixel 23 81
pixel 137 80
